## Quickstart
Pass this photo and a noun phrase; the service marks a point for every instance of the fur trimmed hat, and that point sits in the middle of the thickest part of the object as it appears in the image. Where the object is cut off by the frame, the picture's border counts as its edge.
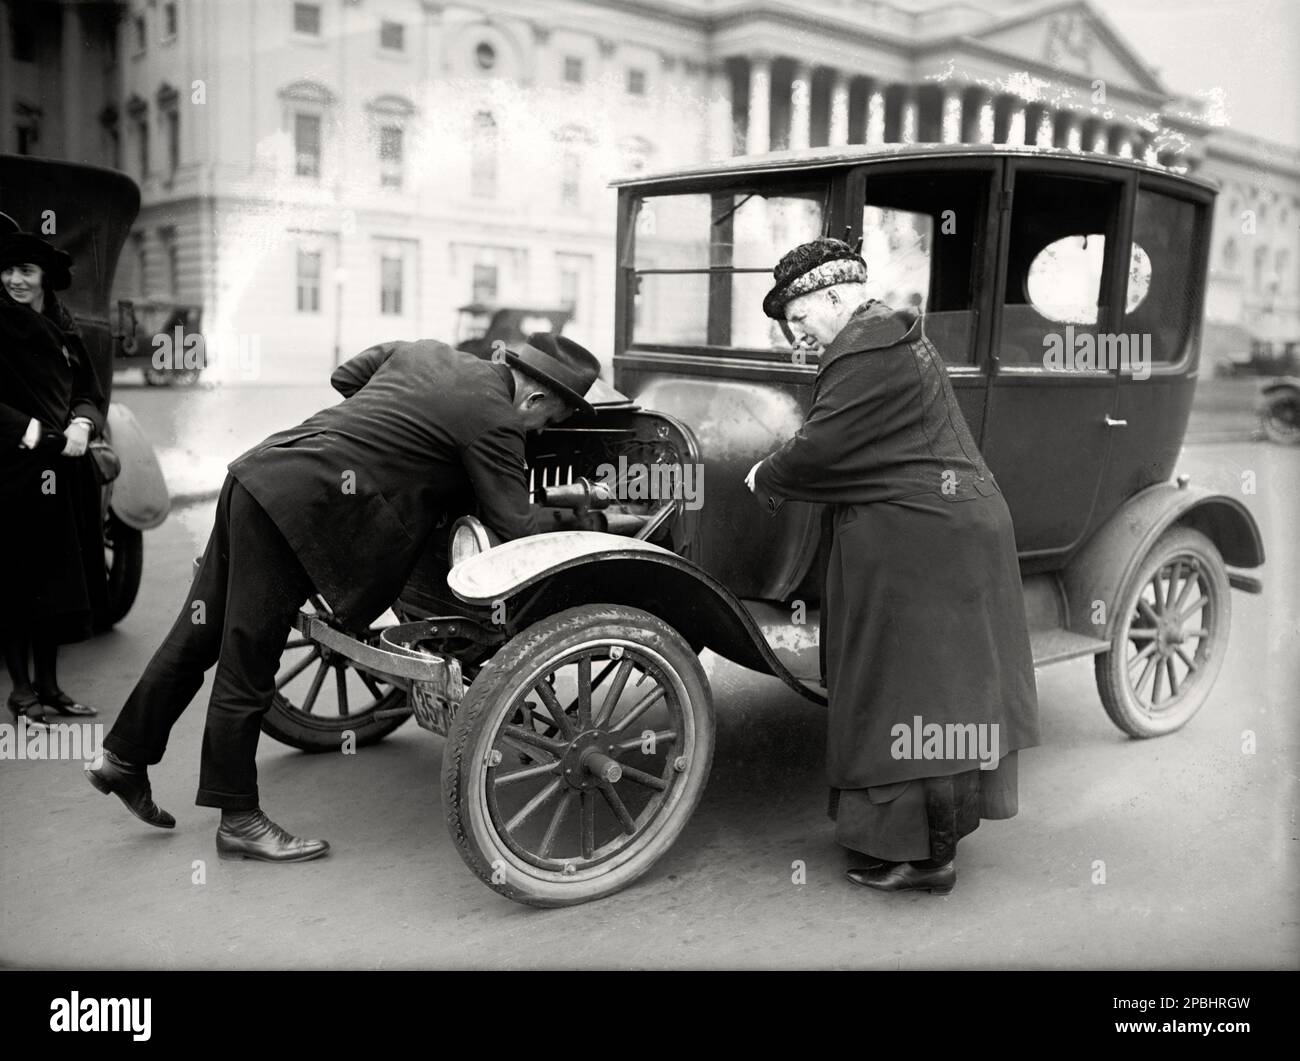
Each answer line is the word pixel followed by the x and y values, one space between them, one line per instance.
pixel 812 266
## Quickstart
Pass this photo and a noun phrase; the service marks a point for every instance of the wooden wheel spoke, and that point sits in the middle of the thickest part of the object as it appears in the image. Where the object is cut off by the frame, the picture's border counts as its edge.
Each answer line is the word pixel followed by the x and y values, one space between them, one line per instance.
pixel 1137 685
pixel 532 739
pixel 525 774
pixel 318 679
pixel 1193 580
pixel 1141 656
pixel 553 827
pixel 640 777
pixel 1173 677
pixel 341 685
pixel 553 708
pixel 1147 612
pixel 296 669
pixel 619 808
pixel 1191 610
pixel 297 642
pixel 533 805
pixel 1141 633
pixel 663 736
pixel 613 693
pixel 1192 665
pixel 587 815
pixel 639 708
pixel 1174 570
pixel 371 684
pixel 584 693
pixel 1159 682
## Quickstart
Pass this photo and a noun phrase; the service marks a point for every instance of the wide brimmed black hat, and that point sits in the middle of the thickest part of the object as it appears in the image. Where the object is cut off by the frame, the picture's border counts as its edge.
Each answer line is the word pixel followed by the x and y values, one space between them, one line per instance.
pixel 560 363
pixel 16 248
pixel 810 267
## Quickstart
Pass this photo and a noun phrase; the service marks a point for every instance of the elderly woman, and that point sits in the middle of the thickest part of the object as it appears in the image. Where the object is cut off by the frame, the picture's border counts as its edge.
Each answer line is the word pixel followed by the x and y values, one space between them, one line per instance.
pixel 49 411
pixel 928 666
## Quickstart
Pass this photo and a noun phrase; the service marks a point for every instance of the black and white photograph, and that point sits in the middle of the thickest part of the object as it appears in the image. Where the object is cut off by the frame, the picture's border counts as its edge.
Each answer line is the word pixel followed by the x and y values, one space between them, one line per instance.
pixel 643 485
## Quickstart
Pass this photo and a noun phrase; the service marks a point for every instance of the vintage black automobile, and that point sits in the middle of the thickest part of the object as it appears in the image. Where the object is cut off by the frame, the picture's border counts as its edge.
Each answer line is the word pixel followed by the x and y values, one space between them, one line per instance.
pixel 1065 295
pixel 87 212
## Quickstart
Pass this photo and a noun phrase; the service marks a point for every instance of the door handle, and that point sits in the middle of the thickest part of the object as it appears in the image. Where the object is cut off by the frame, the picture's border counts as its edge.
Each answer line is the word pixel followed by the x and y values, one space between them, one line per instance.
pixel 1115 423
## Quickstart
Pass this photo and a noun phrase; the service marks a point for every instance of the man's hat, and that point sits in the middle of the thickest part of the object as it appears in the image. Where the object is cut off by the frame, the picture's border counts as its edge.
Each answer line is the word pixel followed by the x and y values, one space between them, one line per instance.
pixel 812 266
pixel 560 363
pixel 16 248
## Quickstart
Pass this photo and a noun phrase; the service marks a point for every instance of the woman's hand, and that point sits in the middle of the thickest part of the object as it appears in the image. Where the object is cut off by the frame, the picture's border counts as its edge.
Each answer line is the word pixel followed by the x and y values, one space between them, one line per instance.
pixel 78 436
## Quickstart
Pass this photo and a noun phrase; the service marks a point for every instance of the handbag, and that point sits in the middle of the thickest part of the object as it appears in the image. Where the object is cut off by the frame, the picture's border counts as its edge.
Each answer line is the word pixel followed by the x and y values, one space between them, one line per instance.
pixel 106 459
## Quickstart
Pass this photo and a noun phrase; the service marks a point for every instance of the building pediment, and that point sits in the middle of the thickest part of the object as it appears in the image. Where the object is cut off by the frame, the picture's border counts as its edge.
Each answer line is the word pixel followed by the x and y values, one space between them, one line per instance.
pixel 1075 39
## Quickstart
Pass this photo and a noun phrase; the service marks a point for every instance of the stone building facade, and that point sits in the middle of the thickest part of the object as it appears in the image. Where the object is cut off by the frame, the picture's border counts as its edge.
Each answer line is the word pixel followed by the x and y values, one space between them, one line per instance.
pixel 319 176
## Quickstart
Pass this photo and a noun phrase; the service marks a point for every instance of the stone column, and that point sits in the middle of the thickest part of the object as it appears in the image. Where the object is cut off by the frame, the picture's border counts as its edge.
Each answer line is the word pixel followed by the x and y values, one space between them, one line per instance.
pixel 907 118
pixel 1046 128
pixel 722 127
pixel 876 114
pixel 1125 143
pixel 951 115
pixel 839 126
pixel 71 88
pixel 758 139
pixel 985 127
pixel 1100 140
pixel 800 108
pixel 1016 122
pixel 1074 133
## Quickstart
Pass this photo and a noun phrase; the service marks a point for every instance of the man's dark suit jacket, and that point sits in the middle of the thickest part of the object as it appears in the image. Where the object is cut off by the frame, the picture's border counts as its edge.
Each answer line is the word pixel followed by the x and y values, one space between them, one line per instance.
pixel 357 488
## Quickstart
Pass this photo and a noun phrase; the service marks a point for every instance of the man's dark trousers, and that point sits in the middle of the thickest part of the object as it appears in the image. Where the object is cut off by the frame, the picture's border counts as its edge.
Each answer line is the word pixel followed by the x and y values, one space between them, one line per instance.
pixel 250 586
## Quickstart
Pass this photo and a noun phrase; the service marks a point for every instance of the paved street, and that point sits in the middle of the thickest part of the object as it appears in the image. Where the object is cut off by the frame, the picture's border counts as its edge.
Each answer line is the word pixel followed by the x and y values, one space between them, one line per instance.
pixel 1198 839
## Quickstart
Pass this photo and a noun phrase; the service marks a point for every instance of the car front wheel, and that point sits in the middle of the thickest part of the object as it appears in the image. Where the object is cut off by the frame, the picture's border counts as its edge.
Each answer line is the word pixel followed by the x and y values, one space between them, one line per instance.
pixel 578 755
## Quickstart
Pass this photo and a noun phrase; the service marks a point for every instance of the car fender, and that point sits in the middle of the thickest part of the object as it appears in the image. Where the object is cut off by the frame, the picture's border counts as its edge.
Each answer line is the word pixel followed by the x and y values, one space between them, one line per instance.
pixel 139 494
pixel 546 573
pixel 1274 389
pixel 1103 567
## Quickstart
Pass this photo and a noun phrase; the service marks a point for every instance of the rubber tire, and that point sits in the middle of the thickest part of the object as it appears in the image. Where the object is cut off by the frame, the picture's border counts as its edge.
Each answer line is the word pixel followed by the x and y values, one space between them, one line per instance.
pixel 289 726
pixel 1275 432
pixel 125 570
pixel 1112 681
pixel 550 639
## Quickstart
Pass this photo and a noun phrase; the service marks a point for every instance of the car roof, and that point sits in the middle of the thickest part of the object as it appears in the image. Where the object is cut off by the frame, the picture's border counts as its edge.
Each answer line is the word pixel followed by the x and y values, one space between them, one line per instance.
pixel 831 157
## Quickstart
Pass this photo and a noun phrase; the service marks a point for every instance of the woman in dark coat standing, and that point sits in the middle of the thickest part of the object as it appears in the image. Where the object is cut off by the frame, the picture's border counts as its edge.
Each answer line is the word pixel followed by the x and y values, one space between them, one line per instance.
pixel 50 400
pixel 928 666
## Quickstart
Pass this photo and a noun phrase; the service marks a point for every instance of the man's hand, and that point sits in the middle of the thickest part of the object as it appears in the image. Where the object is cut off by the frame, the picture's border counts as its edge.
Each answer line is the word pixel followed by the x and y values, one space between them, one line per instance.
pixel 749 479
pixel 78 436
pixel 32 436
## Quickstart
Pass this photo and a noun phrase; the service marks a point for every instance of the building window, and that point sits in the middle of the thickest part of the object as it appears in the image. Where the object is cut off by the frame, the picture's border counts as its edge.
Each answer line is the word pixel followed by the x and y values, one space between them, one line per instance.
pixel 172 126
pixel 573 69
pixel 306 19
pixel 28 135
pixel 142 145
pixel 169 21
pixel 306 145
pixel 486 56
pixel 390 286
pixel 483 156
pixel 485 284
pixel 569 290
pixel 308 281
pixel 570 180
pixel 636 82
pixel 392 35
pixel 167 237
pixel 390 156
pixel 141 32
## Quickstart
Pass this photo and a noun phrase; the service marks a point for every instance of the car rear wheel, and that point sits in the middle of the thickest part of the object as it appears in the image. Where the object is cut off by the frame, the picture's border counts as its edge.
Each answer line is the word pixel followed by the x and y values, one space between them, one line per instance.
pixel 559 791
pixel 321 698
pixel 1170 636
pixel 123 567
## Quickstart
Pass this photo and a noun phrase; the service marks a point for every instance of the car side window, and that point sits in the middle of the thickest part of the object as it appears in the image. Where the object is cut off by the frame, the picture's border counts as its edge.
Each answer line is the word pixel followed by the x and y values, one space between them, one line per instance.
pixel 1162 294
pixel 1056 259
pixel 922 235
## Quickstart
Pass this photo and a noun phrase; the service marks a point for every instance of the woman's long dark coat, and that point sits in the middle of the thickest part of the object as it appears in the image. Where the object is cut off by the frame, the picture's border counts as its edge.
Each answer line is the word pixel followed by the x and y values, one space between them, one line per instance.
pixel 51 549
pixel 923 612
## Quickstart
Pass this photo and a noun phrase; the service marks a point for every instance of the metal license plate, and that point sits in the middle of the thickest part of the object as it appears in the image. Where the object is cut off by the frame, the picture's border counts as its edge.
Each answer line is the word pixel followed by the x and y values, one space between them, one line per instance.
pixel 433 711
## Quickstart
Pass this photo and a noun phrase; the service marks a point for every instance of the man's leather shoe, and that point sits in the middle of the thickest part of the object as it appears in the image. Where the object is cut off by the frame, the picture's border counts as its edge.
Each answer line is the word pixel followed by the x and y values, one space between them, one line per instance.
pixel 907 876
pixel 251 834
pixel 130 784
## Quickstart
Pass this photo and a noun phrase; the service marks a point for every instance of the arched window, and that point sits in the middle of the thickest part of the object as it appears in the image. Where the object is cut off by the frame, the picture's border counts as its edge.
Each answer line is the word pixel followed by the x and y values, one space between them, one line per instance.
pixel 308 108
pixel 635 153
pixel 390 121
pixel 483 156
pixel 1231 259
